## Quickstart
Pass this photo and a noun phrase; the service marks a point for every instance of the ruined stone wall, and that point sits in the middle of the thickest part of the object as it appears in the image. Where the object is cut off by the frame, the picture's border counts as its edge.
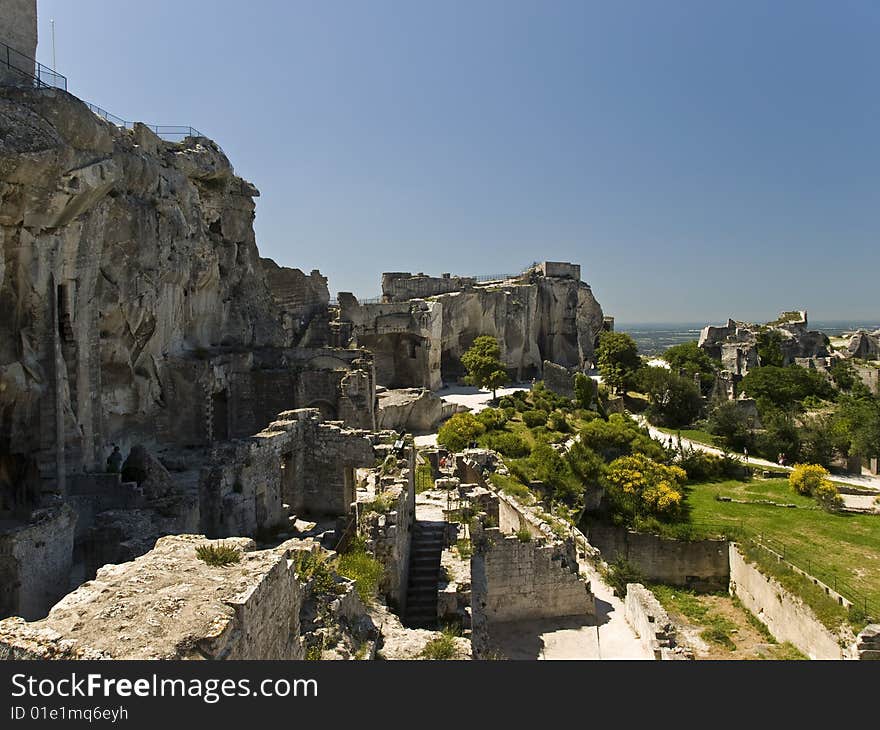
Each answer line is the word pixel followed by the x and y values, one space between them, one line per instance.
pixel 403 286
pixel 701 565
pixel 652 624
pixel 787 617
pixel 512 580
pixel 168 604
pixel 389 534
pixel 297 461
pixel 35 562
pixel 18 30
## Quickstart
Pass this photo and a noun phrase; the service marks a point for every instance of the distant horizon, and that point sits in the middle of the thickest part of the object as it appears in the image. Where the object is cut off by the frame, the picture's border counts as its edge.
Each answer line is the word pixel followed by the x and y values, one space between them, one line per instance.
pixel 689 156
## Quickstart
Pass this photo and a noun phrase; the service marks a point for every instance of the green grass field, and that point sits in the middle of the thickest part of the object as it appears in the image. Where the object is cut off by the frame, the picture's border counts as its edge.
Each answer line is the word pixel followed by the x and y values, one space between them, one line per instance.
pixel 845 546
pixel 694 434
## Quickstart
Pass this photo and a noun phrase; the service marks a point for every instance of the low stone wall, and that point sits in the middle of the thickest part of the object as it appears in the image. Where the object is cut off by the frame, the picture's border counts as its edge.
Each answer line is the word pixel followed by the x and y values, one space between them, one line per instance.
pixel 652 624
pixel 35 563
pixel 701 565
pixel 168 604
pixel 787 617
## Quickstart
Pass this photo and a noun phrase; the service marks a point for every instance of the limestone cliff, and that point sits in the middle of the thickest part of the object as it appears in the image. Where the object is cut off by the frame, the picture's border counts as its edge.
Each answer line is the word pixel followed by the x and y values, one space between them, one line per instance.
pixel 119 252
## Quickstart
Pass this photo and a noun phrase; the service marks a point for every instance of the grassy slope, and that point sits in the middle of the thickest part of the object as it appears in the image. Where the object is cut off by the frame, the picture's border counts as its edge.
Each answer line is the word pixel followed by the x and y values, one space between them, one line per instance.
pixel 843 544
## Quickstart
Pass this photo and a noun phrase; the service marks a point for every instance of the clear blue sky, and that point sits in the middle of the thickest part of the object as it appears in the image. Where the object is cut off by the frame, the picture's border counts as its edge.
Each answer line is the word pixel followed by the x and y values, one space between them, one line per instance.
pixel 697 158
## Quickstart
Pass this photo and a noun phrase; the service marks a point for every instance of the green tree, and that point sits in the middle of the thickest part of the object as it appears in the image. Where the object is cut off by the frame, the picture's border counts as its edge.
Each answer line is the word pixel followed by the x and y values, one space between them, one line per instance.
pixel 584 390
pixel 484 366
pixel 857 425
pixel 675 401
pixel 770 348
pixel 731 425
pixel 459 431
pixel 785 387
pixel 618 436
pixel 618 357
pixel 693 360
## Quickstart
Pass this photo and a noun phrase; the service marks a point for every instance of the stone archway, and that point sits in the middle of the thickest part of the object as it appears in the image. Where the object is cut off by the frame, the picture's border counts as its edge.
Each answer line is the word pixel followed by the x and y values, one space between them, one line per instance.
pixel 328 409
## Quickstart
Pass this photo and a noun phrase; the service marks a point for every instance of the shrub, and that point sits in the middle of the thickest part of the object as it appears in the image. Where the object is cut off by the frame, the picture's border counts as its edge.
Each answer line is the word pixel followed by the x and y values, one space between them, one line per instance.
pixel 493 419
pixel 535 418
pixel 812 480
pixel 619 436
pixel 523 534
pixel 558 422
pixel 442 648
pixel 806 478
pixel 640 485
pixel 584 391
pixel 219 555
pixel 505 443
pixel 459 431
pixel 621 572
pixel 510 485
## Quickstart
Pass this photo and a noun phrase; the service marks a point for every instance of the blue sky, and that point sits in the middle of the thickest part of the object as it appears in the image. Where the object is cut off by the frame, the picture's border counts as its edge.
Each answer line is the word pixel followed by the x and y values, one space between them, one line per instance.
pixel 698 159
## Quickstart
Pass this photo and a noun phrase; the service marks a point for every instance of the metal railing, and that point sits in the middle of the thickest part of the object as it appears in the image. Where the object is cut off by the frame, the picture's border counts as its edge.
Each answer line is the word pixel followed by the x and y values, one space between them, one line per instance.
pixel 39 75
pixel 170 132
pixel 806 565
pixel 44 77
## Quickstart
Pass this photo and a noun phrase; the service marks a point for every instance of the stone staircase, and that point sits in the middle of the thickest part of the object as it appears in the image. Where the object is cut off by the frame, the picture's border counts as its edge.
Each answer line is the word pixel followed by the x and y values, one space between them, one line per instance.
pixel 428 541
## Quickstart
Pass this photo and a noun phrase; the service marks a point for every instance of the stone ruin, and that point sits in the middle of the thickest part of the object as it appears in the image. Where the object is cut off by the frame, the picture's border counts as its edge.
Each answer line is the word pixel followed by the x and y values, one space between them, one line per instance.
pixel 735 347
pixel 423 325
pixel 139 315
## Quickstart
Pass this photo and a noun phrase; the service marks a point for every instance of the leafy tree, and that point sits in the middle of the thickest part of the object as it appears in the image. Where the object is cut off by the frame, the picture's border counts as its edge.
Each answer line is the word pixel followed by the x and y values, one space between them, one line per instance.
pixel 693 360
pixel 817 440
pixel 770 348
pixel 618 357
pixel 584 391
pixel 675 400
pixel 550 468
pixel 857 425
pixel 780 435
pixel 843 374
pixel 484 366
pixel 731 425
pixel 585 463
pixel 459 431
pixel 785 387
pixel 505 443
pixel 643 486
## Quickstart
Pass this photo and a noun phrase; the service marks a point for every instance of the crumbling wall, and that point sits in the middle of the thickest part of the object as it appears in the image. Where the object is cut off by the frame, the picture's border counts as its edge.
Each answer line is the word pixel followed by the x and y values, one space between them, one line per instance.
pixel 652 624
pixel 297 464
pixel 701 565
pixel 513 580
pixel 168 604
pixel 787 617
pixel 35 562
pixel 403 286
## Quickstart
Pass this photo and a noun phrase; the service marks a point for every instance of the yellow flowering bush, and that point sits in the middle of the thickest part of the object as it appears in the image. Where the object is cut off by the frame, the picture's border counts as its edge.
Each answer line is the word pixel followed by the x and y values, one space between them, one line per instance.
pixel 646 486
pixel 807 478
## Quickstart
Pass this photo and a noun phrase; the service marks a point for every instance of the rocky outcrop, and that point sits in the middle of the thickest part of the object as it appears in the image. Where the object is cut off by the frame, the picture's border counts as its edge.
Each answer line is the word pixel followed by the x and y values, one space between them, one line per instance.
pixel 169 604
pixel 864 346
pixel 120 251
pixel 735 345
pixel 415 410
pixel 546 313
